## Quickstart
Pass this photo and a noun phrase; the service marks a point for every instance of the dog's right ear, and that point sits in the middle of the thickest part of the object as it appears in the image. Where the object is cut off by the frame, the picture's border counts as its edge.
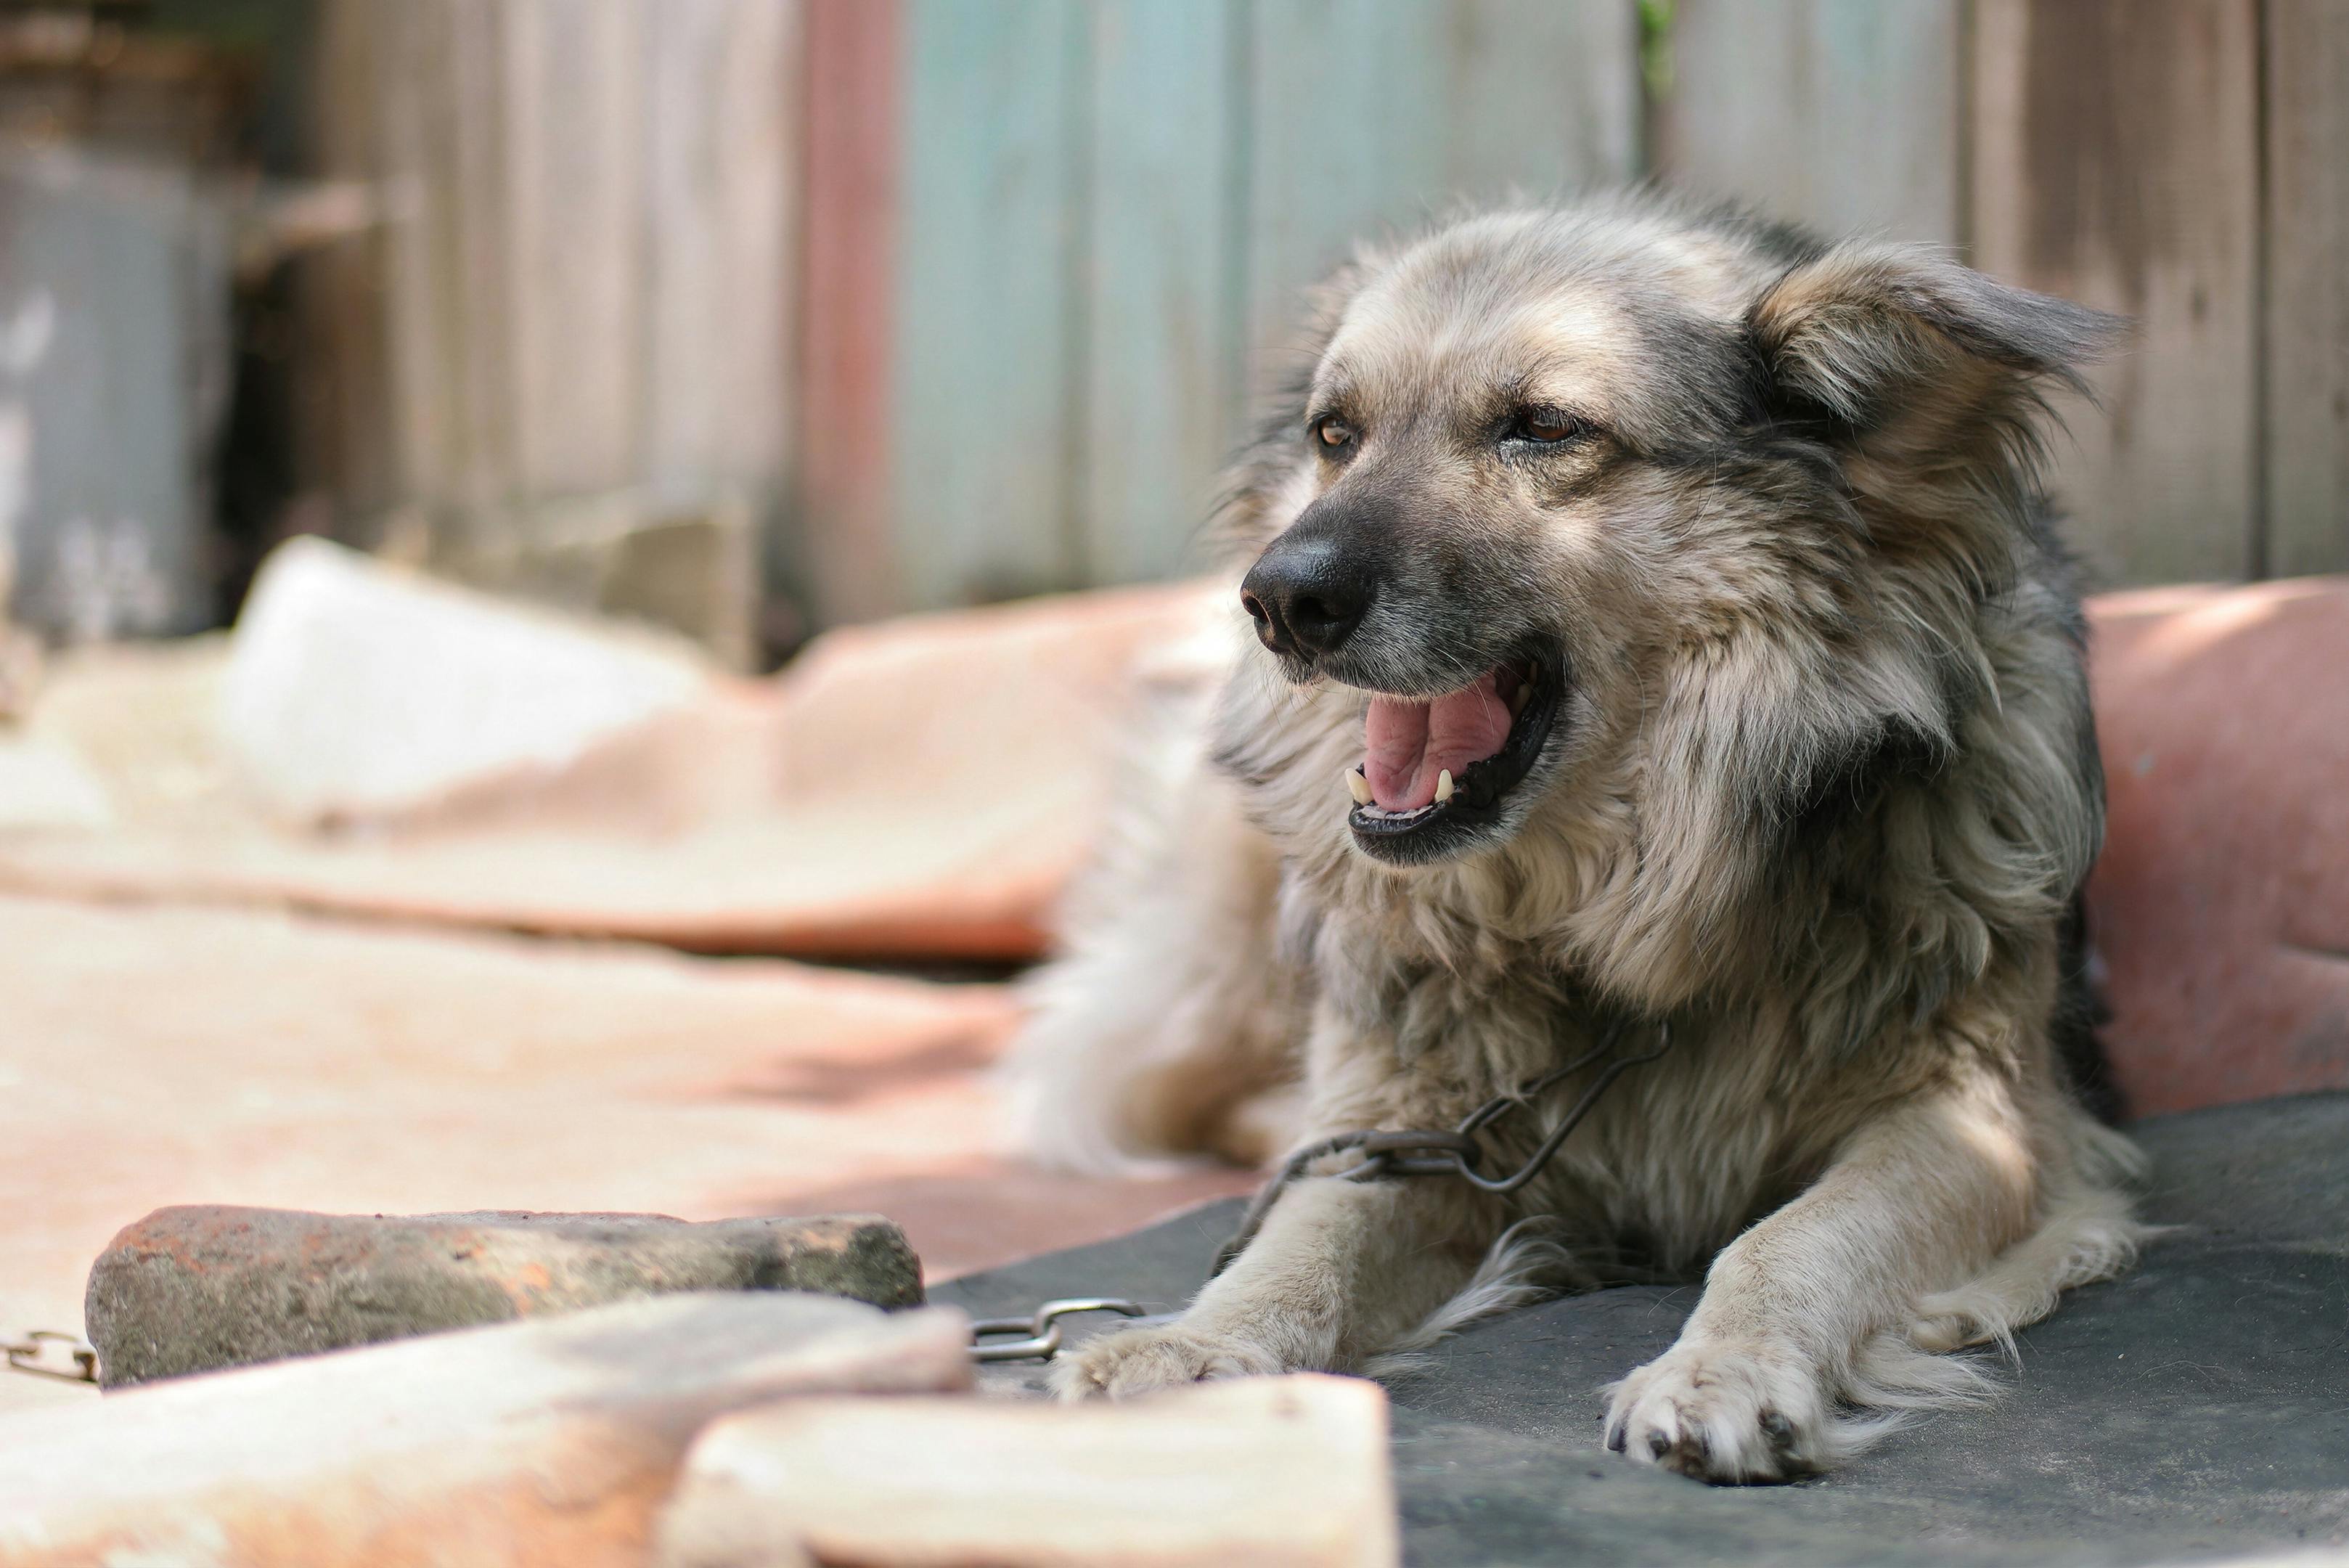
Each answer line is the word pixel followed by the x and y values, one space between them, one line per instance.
pixel 1903 356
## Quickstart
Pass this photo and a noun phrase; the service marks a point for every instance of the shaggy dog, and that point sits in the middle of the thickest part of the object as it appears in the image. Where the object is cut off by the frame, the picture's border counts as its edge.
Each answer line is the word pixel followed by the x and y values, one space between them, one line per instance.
pixel 1650 637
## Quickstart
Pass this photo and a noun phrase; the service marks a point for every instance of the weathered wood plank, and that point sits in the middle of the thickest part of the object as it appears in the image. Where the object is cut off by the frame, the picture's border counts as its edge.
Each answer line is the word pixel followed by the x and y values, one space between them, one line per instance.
pixel 1165 303
pixel 717 229
pixel 573 107
pixel 1536 97
pixel 2307 328
pixel 448 349
pixel 585 274
pixel 2115 161
pixel 343 411
pixel 1371 115
pixel 983 387
pixel 1841 114
pixel 841 546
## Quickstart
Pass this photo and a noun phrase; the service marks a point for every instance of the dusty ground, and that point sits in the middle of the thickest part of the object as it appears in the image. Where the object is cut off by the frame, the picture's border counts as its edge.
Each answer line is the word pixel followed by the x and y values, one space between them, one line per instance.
pixel 154 1055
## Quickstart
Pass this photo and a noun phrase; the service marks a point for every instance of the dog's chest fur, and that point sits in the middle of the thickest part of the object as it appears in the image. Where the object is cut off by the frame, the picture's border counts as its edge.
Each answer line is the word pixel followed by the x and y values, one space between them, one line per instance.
pixel 1676 1156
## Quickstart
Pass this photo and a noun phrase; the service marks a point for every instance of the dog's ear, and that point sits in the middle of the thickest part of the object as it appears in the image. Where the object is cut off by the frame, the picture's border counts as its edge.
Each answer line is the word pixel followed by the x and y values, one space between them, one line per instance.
pixel 1903 356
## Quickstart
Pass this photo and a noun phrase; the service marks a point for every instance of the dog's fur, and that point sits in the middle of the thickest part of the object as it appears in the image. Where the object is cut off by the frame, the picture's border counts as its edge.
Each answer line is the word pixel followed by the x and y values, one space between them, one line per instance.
pixel 1820 794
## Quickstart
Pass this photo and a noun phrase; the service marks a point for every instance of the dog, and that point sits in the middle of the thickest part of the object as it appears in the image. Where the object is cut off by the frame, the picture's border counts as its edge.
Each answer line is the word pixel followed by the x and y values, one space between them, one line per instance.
pixel 1648 636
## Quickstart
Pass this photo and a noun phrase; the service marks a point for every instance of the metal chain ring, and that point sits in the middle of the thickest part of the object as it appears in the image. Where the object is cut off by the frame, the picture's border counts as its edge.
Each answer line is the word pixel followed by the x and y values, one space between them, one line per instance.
pixel 27 1354
pixel 1455 1153
pixel 1042 1328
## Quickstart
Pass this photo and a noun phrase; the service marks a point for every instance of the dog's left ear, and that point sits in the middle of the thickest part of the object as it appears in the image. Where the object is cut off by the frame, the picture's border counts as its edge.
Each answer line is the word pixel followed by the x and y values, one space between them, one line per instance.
pixel 1904 356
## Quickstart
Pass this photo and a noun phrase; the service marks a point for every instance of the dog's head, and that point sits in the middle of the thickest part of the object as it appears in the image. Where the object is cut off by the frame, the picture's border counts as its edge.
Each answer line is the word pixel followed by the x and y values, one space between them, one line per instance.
pixel 1540 455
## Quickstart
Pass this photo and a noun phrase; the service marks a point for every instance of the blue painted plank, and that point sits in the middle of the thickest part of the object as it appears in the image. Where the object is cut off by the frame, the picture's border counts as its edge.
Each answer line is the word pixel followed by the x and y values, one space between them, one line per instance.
pixel 1164 302
pixel 984 350
pixel 1371 115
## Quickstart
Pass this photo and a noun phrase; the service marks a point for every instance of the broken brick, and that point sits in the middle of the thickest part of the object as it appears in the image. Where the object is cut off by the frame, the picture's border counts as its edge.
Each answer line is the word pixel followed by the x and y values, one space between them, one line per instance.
pixel 198 1288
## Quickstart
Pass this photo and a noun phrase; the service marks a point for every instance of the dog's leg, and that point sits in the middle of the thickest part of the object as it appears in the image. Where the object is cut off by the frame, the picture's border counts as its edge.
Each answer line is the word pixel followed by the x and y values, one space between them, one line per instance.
pixel 1811 1309
pixel 1341 1272
pixel 2088 1231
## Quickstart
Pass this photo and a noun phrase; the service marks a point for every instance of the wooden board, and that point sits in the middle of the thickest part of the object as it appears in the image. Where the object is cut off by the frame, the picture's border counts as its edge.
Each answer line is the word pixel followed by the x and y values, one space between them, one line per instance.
pixel 983 387
pixel 2115 161
pixel 717 217
pixel 2307 328
pixel 840 546
pixel 1371 115
pixel 1840 114
pixel 447 352
pixel 1165 301
pixel 569 341
pixel 572 107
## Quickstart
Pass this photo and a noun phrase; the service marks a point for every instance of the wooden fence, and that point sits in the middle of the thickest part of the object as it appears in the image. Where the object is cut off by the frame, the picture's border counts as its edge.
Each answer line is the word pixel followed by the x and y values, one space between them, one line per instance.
pixel 563 365
pixel 1043 247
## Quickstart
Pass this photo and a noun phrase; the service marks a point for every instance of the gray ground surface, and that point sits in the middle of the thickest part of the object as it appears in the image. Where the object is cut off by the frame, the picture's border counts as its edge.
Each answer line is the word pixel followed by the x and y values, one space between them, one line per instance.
pixel 2198 1407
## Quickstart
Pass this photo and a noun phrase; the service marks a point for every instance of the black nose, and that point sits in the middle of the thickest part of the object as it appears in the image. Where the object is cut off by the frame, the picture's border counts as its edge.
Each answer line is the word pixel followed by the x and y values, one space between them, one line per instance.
pixel 1306 595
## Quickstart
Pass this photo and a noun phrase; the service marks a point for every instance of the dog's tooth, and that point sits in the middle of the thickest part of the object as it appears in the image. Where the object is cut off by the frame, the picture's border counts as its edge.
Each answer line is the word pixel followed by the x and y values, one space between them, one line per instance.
pixel 1358 786
pixel 1520 697
pixel 1444 786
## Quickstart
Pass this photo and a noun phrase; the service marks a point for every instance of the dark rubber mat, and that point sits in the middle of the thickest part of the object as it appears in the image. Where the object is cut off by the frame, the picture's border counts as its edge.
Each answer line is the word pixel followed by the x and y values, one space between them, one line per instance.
pixel 2198 1407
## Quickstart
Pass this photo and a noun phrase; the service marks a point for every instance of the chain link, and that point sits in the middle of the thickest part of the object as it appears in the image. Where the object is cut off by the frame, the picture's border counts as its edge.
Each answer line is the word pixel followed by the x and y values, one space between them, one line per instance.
pixel 37 1355
pixel 1455 1153
pixel 1042 1328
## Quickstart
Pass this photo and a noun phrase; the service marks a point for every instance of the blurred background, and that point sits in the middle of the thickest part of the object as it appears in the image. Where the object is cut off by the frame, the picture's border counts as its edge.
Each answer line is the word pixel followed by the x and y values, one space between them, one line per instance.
pixel 755 317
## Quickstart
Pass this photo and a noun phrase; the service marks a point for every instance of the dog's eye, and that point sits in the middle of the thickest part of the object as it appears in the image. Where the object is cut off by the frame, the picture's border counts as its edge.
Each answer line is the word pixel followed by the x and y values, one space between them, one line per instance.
pixel 1545 426
pixel 1333 433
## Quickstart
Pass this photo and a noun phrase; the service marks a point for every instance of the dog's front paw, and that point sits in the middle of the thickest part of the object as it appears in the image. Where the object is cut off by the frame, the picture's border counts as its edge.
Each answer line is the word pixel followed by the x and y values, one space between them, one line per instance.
pixel 1722 1412
pixel 1141 1360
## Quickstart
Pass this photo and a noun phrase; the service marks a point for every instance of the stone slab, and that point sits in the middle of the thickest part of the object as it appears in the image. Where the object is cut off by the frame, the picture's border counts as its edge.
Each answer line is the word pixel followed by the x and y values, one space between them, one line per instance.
pixel 1287 1472
pixel 199 1287
pixel 2196 1410
pixel 545 1444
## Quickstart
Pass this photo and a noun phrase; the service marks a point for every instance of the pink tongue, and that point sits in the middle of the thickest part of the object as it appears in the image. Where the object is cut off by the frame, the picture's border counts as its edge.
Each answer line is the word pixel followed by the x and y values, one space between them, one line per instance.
pixel 1410 742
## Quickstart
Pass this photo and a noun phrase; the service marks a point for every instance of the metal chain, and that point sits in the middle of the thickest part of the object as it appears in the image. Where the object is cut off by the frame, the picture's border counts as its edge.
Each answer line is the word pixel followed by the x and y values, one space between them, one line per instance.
pixel 45 1344
pixel 1416 1153
pixel 1455 1153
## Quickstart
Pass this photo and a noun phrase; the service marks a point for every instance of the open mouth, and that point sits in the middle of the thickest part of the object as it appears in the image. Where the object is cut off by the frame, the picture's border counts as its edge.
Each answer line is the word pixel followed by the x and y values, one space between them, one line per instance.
pixel 1435 772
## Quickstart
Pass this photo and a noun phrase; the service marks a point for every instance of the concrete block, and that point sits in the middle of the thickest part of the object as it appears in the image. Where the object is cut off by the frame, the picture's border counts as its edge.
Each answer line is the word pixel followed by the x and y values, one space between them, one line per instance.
pixel 1288 1472
pixel 548 1444
pixel 360 690
pixel 195 1289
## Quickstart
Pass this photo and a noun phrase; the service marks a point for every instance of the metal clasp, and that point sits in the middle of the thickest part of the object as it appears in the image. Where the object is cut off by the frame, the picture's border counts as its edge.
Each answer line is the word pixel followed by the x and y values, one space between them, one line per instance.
pixel 1042 1328
pixel 26 1356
